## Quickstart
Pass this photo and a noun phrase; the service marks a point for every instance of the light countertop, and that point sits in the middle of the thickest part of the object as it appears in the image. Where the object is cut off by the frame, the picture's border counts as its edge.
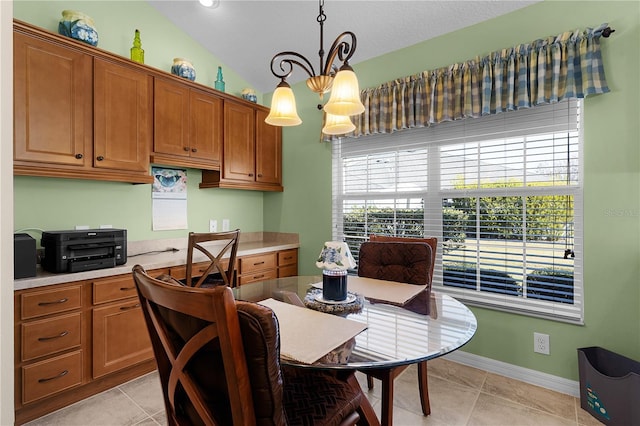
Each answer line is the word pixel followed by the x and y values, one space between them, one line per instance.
pixel 156 254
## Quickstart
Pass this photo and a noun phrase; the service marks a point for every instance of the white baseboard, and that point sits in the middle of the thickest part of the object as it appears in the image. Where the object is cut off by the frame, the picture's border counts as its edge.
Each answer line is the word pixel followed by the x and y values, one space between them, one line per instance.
pixel 548 381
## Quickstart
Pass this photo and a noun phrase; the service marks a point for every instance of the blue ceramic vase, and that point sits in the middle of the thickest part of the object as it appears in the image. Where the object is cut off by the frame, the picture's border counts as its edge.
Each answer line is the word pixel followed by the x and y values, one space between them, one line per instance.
pixel 78 26
pixel 183 68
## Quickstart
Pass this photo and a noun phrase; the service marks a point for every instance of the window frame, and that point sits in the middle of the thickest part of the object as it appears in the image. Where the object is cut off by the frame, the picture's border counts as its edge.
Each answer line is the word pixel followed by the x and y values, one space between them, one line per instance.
pixel 433 227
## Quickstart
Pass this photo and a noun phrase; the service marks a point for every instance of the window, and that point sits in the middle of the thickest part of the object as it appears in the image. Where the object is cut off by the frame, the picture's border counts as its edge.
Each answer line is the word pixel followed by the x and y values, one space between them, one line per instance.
pixel 503 195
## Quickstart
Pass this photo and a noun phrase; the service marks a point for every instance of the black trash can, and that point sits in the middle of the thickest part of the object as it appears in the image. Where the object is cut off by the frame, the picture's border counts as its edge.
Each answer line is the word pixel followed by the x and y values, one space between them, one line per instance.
pixel 609 386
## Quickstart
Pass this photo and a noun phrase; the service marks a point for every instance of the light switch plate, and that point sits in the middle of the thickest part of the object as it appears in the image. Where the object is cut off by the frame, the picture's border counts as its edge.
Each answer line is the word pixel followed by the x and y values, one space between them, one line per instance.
pixel 213 225
pixel 225 225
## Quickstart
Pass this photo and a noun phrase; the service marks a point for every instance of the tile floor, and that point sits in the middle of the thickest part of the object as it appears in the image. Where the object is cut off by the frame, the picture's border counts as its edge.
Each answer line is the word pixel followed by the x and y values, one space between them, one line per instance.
pixel 459 395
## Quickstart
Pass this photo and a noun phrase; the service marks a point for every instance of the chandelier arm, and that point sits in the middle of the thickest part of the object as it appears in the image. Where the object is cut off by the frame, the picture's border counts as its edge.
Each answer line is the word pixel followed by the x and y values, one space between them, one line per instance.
pixel 290 59
pixel 342 49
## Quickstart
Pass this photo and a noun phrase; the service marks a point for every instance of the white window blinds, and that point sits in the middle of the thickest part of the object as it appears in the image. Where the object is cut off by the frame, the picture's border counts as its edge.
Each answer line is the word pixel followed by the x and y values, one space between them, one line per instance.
pixel 503 195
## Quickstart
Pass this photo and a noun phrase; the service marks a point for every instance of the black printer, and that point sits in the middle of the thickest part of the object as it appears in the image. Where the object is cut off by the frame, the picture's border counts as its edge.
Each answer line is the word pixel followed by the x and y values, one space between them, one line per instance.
pixel 85 250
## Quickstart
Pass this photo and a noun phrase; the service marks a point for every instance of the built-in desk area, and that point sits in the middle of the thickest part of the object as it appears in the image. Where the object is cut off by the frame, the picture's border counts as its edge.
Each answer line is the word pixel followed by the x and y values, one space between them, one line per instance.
pixel 77 334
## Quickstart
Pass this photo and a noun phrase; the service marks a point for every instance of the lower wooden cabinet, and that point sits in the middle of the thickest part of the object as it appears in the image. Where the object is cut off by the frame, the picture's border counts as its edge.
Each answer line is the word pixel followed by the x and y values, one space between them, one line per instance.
pixel 256 268
pixel 77 339
pixel 120 337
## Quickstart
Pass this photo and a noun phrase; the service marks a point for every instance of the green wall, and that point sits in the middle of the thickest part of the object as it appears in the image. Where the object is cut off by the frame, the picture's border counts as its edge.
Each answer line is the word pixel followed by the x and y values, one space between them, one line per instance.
pixel 611 166
pixel 611 180
pixel 46 203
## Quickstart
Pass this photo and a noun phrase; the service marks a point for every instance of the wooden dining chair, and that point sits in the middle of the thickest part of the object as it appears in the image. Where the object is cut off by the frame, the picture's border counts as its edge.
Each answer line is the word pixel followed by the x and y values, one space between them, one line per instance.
pixel 219 362
pixel 420 272
pixel 219 270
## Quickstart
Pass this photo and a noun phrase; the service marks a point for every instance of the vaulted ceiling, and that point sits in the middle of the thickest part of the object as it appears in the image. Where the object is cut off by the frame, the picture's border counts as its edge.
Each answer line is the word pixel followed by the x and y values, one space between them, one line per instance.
pixel 246 34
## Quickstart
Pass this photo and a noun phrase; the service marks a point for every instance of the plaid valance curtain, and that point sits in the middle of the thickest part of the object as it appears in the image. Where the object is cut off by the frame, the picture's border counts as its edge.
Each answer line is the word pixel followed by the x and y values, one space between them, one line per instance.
pixel 541 72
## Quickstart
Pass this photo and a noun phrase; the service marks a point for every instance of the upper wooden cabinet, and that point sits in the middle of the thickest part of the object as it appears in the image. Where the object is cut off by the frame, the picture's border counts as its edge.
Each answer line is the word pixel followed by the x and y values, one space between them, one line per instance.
pixel 187 126
pixel 53 100
pixel 252 151
pixel 81 112
pixel 78 115
pixel 122 117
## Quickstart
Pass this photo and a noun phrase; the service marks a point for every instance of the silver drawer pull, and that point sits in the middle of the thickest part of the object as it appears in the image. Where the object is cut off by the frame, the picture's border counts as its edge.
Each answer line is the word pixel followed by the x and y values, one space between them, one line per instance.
pixel 55 302
pixel 64 373
pixel 127 288
pixel 44 339
pixel 127 308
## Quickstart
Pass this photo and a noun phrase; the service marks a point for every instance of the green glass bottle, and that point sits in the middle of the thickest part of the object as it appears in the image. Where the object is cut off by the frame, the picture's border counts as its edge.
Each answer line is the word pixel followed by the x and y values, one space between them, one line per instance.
pixel 137 53
pixel 219 84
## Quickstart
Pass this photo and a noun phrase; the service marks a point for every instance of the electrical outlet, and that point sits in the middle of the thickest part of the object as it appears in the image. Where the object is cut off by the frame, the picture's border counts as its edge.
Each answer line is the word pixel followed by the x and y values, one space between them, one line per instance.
pixel 213 225
pixel 541 343
pixel 225 225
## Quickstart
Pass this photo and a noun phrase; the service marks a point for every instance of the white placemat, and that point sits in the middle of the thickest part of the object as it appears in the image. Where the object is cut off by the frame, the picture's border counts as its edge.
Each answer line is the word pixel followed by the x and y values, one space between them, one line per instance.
pixel 307 335
pixel 379 290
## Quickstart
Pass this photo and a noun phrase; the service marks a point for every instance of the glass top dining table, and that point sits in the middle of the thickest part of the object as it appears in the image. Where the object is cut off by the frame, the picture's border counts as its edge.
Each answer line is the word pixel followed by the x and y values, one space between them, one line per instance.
pixel 394 336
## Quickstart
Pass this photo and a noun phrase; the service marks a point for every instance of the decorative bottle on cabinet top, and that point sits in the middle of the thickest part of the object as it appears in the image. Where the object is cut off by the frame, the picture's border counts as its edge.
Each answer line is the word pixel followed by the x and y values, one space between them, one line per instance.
pixel 183 68
pixel 219 84
pixel 137 52
pixel 78 26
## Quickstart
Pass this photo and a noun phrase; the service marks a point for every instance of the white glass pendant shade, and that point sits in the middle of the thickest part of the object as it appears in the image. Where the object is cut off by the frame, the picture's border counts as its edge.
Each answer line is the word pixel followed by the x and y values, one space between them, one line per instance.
pixel 345 94
pixel 283 107
pixel 338 125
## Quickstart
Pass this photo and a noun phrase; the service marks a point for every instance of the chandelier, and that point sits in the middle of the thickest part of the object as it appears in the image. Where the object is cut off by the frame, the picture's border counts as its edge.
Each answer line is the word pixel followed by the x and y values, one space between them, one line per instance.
pixel 341 82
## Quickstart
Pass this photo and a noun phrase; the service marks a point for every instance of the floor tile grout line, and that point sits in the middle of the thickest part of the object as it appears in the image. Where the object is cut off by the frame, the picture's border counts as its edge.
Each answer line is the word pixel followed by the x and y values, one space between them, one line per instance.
pixel 134 401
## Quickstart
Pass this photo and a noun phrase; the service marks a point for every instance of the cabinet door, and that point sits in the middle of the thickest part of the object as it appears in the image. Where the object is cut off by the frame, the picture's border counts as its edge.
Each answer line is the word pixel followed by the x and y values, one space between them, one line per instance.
pixel 268 150
pixel 239 142
pixel 170 118
pixel 52 103
pixel 120 337
pixel 122 117
pixel 205 138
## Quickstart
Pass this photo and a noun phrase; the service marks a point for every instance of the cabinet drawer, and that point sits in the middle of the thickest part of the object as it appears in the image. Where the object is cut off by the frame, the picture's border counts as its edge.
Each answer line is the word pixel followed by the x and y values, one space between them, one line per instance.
pixel 113 288
pixel 53 375
pixel 261 262
pixel 258 276
pixel 52 301
pixel 44 337
pixel 287 257
pixel 288 271
pixel 180 272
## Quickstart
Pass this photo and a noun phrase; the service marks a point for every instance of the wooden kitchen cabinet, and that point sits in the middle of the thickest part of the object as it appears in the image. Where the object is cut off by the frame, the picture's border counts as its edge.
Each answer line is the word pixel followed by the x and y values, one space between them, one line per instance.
pixel 259 267
pixel 252 151
pixel 53 98
pixel 77 339
pixel 268 151
pixel 288 263
pixel 79 113
pixel 239 143
pixel 187 126
pixel 122 117
pixel 50 341
pixel 120 336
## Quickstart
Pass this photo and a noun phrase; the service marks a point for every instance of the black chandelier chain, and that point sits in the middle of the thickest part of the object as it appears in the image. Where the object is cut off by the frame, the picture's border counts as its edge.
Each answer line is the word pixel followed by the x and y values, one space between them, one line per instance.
pixel 343 48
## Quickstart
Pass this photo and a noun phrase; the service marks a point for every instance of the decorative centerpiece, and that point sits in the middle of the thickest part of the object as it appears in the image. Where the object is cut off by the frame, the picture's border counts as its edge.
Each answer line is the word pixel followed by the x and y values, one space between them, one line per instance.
pixel 183 68
pixel 249 95
pixel 334 260
pixel 78 26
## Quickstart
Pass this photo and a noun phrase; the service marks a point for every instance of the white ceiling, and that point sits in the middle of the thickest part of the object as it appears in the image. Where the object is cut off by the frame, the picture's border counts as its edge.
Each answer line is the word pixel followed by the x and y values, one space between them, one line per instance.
pixel 245 35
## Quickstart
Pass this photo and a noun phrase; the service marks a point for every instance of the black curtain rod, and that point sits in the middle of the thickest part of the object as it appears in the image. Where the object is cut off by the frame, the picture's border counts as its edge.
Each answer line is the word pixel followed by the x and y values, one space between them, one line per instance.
pixel 607 32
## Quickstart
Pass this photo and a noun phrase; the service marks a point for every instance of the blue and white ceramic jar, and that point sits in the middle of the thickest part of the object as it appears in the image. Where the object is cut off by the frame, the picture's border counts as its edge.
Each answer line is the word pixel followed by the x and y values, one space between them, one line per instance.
pixel 183 68
pixel 78 26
